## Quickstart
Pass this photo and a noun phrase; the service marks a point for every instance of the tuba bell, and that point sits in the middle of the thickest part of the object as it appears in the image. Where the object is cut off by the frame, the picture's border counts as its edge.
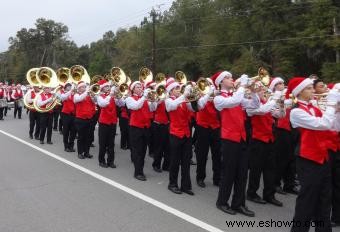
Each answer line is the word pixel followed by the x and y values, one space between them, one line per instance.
pixel 78 73
pixel 203 86
pixel 145 75
pixel 47 77
pixel 118 76
pixel 180 77
pixel 31 78
pixel 63 75
pixel 262 76
pixel 160 78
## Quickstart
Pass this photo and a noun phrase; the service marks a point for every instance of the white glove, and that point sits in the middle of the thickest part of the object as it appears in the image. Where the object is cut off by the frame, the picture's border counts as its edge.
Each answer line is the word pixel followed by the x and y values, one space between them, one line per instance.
pixel 113 89
pixel 187 90
pixel 211 90
pixel 277 95
pixel 50 99
pixel 288 102
pixel 333 96
pixel 244 80
pixel 146 92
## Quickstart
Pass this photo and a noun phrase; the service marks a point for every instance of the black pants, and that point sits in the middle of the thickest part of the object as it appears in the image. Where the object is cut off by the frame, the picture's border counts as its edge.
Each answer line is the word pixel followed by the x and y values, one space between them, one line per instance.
pixel 56 114
pixel 161 146
pixel 151 146
pixel 34 118
pixel 17 109
pixel 207 137
pixel 5 110
pixel 180 152
pixel 285 159
pixel 335 168
pixel 93 123
pixel 261 161
pixel 124 132
pixel 106 135
pixel 315 197
pixel 233 173
pixel 83 127
pixel 69 130
pixel 46 124
pixel 2 113
pixel 139 138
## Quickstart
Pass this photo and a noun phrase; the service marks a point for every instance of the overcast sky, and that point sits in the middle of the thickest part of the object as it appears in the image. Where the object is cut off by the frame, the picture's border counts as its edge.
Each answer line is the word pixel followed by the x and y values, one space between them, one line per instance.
pixel 87 20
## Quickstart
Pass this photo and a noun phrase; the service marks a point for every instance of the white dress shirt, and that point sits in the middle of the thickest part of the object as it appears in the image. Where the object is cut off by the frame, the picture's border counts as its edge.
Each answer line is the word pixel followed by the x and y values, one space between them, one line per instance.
pixel 40 102
pixel 105 101
pixel 132 104
pixel 269 106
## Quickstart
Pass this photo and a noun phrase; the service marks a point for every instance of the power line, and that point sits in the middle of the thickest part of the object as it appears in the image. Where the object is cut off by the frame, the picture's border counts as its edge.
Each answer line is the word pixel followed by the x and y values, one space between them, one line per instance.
pixel 248 42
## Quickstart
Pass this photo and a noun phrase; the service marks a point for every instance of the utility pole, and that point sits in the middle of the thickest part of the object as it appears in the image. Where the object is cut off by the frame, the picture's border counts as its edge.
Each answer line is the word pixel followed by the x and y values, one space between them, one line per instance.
pixel 336 33
pixel 153 15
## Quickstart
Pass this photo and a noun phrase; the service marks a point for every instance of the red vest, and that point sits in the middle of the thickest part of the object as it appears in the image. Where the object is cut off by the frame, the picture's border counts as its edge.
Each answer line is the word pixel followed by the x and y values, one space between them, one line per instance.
pixel 140 118
pixel 17 94
pixel 124 112
pixel 313 143
pixel 85 109
pixel 108 114
pixel 32 97
pixel 232 123
pixel 180 121
pixel 208 116
pixel 262 127
pixel 161 115
pixel 44 98
pixel 284 123
pixel 2 93
pixel 69 106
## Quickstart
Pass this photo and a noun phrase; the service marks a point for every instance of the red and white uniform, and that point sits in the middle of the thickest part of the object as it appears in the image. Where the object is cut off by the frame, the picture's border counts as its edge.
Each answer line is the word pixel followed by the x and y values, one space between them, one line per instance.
pixel 69 107
pixel 85 106
pixel 43 99
pixel 108 112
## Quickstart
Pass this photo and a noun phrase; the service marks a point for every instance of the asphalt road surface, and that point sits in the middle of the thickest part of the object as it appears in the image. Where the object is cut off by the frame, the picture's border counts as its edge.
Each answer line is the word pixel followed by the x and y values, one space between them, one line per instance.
pixel 44 189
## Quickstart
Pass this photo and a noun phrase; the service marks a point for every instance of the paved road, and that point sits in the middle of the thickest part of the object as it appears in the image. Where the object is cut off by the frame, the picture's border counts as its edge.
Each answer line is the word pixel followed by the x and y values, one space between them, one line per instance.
pixel 43 188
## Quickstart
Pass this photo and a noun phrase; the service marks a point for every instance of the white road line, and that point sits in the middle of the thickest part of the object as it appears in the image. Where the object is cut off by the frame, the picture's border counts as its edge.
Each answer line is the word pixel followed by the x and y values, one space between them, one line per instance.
pixel 128 190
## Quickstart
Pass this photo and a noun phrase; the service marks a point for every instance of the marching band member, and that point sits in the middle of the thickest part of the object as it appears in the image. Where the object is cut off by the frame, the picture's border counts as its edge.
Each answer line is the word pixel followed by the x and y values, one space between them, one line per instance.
pixel 17 96
pixel 285 145
pixel 67 115
pixel 161 138
pixel 262 156
pixel 208 135
pixel 34 116
pixel 180 137
pixel 313 167
pixel 151 85
pixel 2 100
pixel 107 123
pixel 139 126
pixel 85 110
pixel 45 118
pixel 233 142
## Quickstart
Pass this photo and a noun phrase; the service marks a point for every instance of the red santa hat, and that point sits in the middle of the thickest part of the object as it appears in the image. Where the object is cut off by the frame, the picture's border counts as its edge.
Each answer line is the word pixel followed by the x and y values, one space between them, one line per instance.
pixel 218 77
pixel 81 84
pixel 150 84
pixel 330 85
pixel 171 84
pixel 133 84
pixel 103 83
pixel 274 81
pixel 297 84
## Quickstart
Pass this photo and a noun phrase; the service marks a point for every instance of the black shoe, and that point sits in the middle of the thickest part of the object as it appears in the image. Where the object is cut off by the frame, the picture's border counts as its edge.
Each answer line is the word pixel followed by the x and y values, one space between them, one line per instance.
pixel 67 150
pixel 201 183
pixel 245 211
pixel 156 169
pixel 192 162
pixel 92 145
pixel 256 199
pixel 274 201
pixel 124 148
pixel 103 165
pixel 49 142
pixel 226 209
pixel 31 136
pixel 189 192
pixel 36 138
pixel 81 156
pixel 335 224
pixel 140 177
pixel 89 156
pixel 71 149
pixel 279 190
pixel 112 165
pixel 41 142
pixel 293 190
pixel 175 189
